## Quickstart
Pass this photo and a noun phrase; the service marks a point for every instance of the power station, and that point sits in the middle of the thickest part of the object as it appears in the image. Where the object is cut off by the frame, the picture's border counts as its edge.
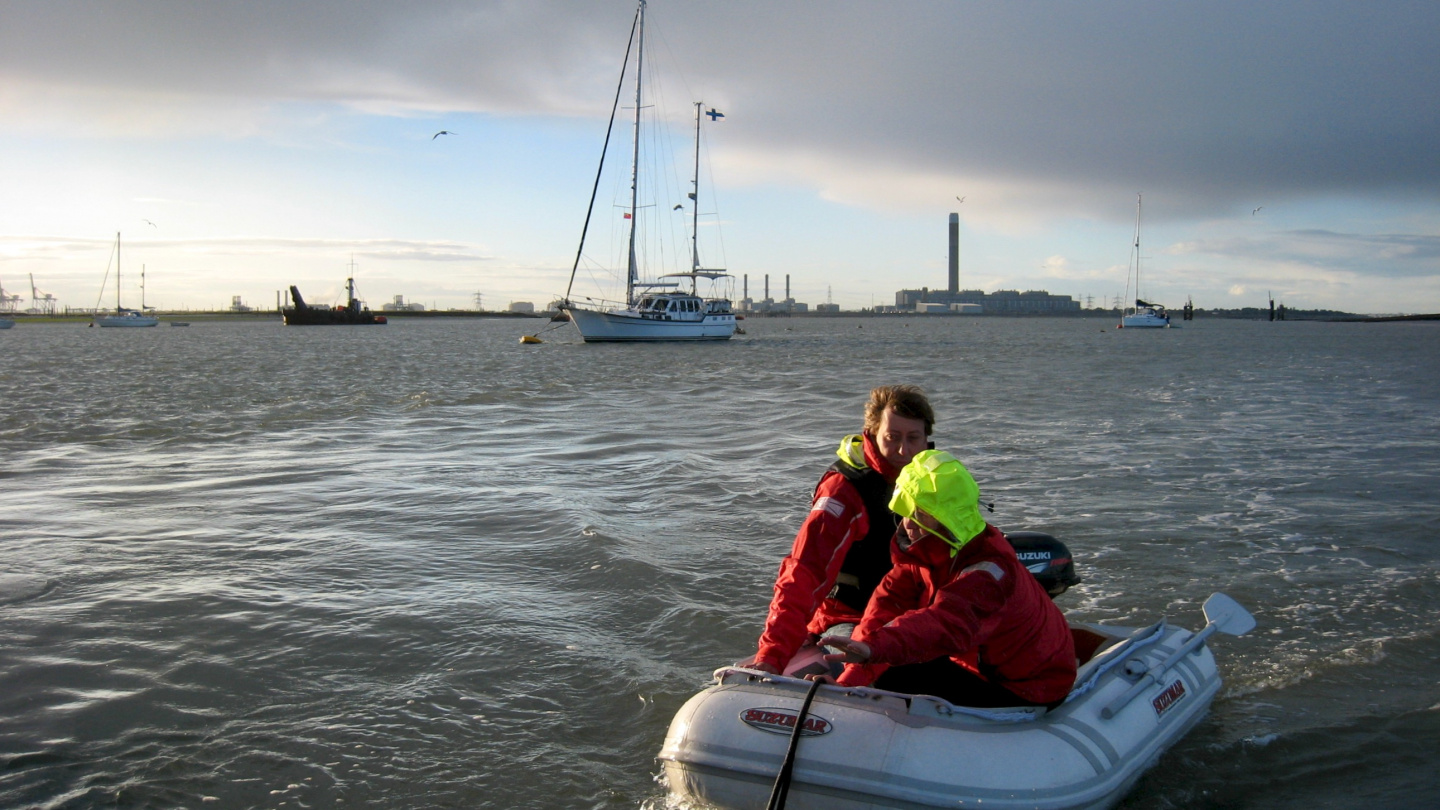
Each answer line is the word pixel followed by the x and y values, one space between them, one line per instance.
pixel 975 302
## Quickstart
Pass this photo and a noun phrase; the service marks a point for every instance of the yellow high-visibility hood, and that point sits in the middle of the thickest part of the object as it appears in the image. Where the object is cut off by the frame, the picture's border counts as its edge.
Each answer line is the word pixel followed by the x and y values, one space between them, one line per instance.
pixel 940 486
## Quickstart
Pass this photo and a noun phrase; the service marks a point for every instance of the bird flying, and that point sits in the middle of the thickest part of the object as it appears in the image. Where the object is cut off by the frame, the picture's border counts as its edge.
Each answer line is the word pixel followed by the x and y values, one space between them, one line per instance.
pixel 148 222
pixel 961 199
pixel 1256 211
pixel 441 132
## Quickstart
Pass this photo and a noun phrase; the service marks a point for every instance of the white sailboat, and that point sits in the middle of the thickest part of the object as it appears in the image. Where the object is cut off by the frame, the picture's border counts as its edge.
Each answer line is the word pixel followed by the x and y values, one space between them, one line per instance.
pixel 1144 315
pixel 655 310
pixel 123 316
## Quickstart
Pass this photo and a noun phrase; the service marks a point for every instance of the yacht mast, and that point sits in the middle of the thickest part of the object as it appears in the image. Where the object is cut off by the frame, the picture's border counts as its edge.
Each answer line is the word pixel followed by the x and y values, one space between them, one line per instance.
pixel 632 275
pixel 695 206
pixel 1128 304
pixel 1137 250
pixel 117 272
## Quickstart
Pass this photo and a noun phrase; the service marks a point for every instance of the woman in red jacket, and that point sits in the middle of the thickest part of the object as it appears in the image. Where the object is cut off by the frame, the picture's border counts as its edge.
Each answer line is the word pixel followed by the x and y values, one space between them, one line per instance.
pixel 843 549
pixel 960 619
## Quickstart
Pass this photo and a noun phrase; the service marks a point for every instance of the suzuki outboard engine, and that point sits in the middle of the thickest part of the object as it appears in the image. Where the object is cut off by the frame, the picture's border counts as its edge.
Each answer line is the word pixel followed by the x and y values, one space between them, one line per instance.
pixel 1047 558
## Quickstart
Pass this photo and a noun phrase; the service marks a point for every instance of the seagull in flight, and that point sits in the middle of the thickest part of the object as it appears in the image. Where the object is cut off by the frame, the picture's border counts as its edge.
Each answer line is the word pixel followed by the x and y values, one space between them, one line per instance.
pixel 151 224
pixel 441 132
pixel 1256 211
pixel 961 199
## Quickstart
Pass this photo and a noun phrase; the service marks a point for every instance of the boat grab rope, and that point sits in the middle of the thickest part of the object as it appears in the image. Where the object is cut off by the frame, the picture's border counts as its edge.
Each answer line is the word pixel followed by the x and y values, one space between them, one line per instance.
pixel 947 709
pixel 943 708
pixel 782 779
pixel 1154 634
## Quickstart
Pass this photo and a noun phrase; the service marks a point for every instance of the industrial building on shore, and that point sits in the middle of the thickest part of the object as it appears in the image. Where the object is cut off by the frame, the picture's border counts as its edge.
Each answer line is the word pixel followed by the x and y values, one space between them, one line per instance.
pixel 976 302
pixel 769 306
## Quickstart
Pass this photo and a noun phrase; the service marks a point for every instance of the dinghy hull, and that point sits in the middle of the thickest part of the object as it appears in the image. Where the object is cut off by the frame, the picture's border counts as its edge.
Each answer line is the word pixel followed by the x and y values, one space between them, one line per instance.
pixel 866 748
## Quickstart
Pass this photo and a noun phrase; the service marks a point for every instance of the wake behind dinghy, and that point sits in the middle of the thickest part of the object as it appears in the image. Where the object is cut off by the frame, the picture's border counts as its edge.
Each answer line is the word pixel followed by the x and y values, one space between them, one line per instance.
pixel 1137 692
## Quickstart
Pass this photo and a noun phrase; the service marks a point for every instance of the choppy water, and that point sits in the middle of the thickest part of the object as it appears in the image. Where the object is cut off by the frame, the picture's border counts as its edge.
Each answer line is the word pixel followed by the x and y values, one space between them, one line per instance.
pixel 425 566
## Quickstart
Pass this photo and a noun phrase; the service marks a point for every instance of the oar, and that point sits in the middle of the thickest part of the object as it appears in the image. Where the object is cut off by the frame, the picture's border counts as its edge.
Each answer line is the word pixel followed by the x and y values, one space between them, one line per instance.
pixel 1222 614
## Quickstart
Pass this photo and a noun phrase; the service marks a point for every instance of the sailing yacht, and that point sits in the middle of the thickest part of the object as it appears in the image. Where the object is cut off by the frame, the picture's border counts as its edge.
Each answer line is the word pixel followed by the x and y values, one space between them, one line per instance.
pixel 123 316
pixel 1144 315
pixel 660 309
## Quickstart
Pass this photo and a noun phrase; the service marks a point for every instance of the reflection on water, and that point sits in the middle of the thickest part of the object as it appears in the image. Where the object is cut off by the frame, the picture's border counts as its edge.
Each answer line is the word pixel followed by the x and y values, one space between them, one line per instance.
pixel 426 566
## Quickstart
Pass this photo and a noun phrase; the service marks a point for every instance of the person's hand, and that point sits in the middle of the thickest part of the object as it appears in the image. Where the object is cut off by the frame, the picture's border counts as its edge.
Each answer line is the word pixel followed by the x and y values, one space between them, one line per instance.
pixel 764 667
pixel 822 677
pixel 851 651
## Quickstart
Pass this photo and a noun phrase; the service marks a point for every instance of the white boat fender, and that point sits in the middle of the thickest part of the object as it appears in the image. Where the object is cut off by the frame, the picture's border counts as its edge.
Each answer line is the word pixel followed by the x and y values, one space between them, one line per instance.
pixel 1221 613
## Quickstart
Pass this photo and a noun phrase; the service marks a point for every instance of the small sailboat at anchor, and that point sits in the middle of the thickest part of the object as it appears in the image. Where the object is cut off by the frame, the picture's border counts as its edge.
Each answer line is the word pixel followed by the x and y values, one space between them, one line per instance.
pixel 123 316
pixel 658 310
pixel 1144 315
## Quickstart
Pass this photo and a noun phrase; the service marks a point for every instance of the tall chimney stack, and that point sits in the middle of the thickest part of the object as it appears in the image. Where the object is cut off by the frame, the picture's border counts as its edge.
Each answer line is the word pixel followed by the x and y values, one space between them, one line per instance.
pixel 954 253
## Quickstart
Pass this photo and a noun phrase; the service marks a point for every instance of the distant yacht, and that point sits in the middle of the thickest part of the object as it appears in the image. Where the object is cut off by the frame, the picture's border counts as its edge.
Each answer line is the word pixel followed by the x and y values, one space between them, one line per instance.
pixel 123 316
pixel 651 312
pixel 1145 315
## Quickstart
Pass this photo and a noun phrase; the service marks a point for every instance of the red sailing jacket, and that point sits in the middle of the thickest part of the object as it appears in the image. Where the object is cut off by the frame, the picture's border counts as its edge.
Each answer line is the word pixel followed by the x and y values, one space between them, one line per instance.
pixel 981 608
pixel 801 604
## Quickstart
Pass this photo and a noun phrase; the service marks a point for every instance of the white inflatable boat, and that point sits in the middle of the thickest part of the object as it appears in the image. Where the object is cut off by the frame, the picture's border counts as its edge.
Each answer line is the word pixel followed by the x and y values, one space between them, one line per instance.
pixel 1138 692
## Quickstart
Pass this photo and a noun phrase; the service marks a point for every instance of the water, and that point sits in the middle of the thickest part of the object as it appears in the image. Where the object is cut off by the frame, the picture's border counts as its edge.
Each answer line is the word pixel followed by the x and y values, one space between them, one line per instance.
pixel 425 566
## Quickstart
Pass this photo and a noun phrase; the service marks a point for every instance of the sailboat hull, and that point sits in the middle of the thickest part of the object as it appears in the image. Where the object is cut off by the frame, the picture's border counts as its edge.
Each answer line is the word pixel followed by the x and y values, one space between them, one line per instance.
pixel 1147 320
pixel 628 327
pixel 130 319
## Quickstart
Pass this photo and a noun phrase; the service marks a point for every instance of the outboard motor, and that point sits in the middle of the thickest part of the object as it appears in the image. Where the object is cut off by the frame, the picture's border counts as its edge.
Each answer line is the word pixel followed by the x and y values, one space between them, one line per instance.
pixel 1047 558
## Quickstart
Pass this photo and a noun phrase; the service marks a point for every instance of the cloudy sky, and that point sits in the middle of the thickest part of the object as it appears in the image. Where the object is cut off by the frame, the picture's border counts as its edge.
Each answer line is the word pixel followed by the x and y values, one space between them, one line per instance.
pixel 1285 149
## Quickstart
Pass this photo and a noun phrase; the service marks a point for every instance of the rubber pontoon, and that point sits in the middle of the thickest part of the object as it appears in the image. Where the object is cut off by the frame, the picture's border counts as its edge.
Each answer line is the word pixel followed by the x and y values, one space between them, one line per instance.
pixel 1140 691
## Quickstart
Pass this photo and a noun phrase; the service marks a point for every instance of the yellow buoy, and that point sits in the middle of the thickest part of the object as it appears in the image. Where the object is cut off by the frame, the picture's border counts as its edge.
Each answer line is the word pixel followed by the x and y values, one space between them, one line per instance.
pixel 530 339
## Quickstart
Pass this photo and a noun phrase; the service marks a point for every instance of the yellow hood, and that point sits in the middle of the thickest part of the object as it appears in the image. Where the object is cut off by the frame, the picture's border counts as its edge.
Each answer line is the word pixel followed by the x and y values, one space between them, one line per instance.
pixel 939 485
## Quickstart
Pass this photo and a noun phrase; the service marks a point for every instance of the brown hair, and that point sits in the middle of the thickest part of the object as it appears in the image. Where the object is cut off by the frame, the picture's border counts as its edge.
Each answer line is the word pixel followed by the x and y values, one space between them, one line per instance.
pixel 905 400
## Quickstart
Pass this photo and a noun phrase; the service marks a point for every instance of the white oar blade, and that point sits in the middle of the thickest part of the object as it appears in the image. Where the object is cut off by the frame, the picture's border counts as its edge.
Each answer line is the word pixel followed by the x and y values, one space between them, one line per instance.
pixel 1227 615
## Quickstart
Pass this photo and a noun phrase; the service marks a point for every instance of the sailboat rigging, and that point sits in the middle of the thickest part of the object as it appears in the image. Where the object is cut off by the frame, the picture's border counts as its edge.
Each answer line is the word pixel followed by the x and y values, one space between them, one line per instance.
pixel 123 316
pixel 654 310
pixel 1144 315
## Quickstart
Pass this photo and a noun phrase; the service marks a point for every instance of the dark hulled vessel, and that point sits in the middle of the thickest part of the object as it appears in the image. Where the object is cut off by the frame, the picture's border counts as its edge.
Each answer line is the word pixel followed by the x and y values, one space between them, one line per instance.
pixel 352 313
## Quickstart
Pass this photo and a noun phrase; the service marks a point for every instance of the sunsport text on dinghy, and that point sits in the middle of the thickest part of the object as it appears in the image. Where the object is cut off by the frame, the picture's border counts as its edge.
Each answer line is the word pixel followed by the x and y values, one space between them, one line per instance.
pixel 1138 691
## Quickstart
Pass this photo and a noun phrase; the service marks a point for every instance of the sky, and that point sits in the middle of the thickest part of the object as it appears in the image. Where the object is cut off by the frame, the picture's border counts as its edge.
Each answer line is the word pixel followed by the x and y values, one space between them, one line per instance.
pixel 1282 149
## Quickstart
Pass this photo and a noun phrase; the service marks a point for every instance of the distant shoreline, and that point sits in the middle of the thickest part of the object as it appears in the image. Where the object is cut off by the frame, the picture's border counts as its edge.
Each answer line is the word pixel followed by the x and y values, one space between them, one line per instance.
pixel 269 315
pixel 1242 314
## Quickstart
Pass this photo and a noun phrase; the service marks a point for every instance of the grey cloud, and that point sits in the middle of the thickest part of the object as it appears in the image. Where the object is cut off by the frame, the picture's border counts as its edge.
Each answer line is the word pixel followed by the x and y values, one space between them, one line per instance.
pixel 384 249
pixel 1209 103
pixel 1387 255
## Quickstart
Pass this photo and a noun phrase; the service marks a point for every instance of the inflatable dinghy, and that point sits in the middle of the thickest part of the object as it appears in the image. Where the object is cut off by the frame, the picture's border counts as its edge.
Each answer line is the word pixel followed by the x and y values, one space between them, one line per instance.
pixel 1138 691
